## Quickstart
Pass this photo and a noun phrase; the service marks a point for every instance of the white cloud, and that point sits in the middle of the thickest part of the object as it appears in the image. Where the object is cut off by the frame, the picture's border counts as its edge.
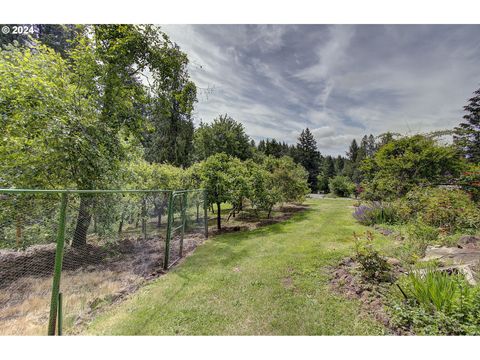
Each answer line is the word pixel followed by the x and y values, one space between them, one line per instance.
pixel 340 81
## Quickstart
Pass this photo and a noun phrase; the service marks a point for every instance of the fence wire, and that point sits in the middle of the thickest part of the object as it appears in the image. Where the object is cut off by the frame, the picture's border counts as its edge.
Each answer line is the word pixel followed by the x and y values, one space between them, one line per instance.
pixel 114 241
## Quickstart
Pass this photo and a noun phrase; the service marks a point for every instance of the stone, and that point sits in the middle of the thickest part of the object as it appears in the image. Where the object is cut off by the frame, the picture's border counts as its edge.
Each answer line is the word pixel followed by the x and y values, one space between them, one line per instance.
pixel 451 255
pixel 393 261
pixel 469 242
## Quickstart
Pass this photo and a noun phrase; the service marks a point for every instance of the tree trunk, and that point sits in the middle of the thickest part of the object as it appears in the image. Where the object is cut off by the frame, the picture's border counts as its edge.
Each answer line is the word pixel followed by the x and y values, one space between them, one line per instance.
pixel 19 231
pixel 198 212
pixel 219 218
pixel 83 221
pixel 120 226
pixel 144 217
pixel 269 212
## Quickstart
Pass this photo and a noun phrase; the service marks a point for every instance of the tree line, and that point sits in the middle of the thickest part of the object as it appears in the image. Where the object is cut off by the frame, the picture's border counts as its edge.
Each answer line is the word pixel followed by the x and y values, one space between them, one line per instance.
pixel 81 104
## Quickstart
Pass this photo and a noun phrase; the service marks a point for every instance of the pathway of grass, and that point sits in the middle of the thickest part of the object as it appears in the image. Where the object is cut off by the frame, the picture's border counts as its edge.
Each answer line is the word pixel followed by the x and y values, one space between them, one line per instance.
pixel 270 281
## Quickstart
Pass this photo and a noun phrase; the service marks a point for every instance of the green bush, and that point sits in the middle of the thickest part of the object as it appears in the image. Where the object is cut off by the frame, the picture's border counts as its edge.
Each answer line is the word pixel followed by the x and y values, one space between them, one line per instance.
pixel 417 237
pixel 374 266
pixel 448 209
pixel 436 303
pixel 341 186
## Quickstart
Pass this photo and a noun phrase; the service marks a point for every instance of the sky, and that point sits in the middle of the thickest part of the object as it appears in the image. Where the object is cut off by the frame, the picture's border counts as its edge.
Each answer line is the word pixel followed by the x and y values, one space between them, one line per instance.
pixel 341 81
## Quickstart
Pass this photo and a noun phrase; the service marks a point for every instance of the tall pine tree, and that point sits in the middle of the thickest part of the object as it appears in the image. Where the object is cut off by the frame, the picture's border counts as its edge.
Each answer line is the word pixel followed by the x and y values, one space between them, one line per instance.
pixel 467 135
pixel 309 157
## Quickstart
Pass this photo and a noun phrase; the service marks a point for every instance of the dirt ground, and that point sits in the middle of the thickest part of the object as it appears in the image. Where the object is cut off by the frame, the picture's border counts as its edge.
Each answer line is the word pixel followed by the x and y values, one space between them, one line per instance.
pixel 92 276
pixel 248 221
pixel 346 280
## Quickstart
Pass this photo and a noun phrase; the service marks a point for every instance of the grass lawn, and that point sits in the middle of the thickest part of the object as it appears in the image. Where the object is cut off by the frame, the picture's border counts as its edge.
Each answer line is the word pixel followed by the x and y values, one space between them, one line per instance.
pixel 269 281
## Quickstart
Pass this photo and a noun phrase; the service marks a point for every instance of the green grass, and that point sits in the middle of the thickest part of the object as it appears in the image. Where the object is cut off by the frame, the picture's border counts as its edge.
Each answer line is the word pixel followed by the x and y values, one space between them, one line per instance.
pixel 269 281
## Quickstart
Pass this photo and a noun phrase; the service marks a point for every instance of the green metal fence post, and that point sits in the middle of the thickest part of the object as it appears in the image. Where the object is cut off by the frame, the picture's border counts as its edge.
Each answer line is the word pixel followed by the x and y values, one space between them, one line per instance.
pixel 60 314
pixel 169 231
pixel 58 266
pixel 184 220
pixel 205 212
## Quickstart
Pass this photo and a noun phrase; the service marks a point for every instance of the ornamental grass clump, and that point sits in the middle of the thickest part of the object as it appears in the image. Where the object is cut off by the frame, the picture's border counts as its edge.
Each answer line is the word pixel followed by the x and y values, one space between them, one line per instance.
pixel 430 301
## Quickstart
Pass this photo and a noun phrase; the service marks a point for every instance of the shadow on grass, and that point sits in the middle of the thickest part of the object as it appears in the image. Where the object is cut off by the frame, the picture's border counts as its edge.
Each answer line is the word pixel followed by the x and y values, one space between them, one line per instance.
pixel 228 249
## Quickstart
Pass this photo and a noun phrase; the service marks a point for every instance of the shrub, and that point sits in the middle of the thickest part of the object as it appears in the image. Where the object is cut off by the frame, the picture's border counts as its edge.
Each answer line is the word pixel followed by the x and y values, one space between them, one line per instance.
pixel 341 186
pixel 374 266
pixel 448 209
pixel 401 164
pixel 436 303
pixel 375 213
pixel 418 237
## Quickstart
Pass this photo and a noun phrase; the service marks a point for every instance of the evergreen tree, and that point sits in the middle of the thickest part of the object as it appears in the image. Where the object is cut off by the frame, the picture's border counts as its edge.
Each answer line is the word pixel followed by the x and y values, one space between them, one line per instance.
pixel 353 151
pixel 327 172
pixel 339 165
pixel 309 157
pixel 467 135
pixel 371 147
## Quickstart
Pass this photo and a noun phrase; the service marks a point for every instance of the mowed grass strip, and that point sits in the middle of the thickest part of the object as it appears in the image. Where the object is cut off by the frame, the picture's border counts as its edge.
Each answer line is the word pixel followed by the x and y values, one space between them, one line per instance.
pixel 269 281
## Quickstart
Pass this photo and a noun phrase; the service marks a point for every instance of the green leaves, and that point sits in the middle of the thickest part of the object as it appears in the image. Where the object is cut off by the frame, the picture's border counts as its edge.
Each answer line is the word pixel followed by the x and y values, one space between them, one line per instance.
pixel 224 135
pixel 402 163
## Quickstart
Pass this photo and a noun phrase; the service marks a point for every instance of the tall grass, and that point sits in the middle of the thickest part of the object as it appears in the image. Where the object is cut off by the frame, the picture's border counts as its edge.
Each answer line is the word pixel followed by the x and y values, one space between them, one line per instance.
pixel 433 289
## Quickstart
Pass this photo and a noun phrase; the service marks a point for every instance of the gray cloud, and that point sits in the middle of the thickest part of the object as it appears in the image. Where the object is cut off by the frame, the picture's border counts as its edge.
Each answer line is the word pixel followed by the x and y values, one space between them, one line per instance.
pixel 342 81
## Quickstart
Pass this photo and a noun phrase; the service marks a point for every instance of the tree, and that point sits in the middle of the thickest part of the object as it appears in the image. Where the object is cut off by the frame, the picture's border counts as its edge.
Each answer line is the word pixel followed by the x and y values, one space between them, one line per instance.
pixel 326 173
pixel 169 135
pixel 371 146
pixel 404 163
pixel 467 135
pixel 69 121
pixel 272 147
pixel 352 153
pixel 262 190
pixel 58 37
pixel 341 186
pixel 289 178
pixel 309 157
pixel 339 165
pixel 224 135
pixel 36 99
pixel 216 173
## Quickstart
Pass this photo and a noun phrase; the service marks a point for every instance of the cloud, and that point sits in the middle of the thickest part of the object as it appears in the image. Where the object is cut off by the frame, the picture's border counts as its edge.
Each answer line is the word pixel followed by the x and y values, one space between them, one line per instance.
pixel 341 81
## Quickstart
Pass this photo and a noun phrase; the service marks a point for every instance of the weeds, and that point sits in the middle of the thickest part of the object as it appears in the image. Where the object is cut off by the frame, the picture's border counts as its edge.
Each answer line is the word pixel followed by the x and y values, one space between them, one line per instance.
pixel 374 266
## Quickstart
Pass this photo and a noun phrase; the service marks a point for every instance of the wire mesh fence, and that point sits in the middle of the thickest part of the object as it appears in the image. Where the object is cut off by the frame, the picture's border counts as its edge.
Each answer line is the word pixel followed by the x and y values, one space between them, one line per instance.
pixel 113 241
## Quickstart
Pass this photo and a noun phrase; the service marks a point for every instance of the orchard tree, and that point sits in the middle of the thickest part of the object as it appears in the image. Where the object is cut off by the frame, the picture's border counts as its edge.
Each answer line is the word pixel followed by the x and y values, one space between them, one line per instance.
pixel 223 135
pixel 216 174
pixel 262 190
pixel 289 178
pixel 309 157
pixel 467 135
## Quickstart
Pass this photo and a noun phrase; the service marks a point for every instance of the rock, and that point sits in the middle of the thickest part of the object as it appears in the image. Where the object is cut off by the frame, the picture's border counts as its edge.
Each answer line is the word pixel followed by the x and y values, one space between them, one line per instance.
pixel 393 261
pixel 451 255
pixel 469 242
pixel 456 260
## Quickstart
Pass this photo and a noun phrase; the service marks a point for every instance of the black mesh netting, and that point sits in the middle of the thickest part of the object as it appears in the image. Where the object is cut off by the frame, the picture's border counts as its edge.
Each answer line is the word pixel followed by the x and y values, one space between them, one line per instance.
pixel 113 243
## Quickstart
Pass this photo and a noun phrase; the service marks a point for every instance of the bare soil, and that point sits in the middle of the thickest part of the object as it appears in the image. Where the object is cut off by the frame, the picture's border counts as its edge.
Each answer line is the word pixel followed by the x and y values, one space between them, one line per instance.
pixel 93 276
pixel 248 221
pixel 346 279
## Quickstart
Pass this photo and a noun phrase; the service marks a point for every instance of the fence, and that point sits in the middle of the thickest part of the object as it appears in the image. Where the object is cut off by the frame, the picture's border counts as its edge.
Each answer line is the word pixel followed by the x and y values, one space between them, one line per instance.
pixel 66 254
